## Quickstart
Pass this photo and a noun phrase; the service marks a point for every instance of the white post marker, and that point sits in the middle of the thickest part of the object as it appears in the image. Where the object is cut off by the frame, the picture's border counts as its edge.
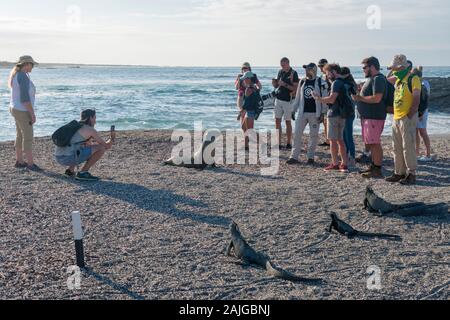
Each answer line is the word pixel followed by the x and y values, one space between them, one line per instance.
pixel 78 237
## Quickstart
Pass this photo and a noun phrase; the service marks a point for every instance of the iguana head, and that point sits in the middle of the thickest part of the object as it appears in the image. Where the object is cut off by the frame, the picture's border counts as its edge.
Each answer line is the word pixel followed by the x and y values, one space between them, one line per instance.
pixel 369 190
pixel 234 228
pixel 334 216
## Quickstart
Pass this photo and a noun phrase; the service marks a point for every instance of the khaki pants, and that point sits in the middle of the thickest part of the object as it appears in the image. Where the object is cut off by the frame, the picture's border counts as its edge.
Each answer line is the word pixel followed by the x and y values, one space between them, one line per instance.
pixel 300 125
pixel 404 142
pixel 24 130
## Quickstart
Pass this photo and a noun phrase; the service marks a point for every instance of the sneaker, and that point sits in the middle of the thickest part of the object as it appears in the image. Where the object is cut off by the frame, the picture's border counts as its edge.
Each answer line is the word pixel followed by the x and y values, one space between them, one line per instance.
pixel 324 144
pixel 311 162
pixel 34 168
pixel 409 180
pixel 374 173
pixel 425 159
pixel 19 165
pixel 69 173
pixel 292 161
pixel 85 176
pixel 351 162
pixel 289 147
pixel 332 167
pixel 343 169
pixel 395 178
pixel 363 159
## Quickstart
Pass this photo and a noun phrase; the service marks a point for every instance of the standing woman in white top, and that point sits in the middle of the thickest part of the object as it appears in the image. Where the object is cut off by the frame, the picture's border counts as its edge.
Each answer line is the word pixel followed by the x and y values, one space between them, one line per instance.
pixel 23 94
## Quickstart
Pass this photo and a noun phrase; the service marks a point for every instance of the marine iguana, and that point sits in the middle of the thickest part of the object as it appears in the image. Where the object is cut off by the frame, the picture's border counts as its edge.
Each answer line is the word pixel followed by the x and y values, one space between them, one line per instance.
pixel 378 205
pixel 243 251
pixel 347 230
pixel 194 163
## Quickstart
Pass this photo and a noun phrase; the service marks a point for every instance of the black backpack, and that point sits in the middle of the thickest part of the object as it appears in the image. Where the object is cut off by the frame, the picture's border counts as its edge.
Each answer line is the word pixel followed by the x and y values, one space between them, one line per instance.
pixel 389 94
pixel 424 96
pixel 347 107
pixel 62 136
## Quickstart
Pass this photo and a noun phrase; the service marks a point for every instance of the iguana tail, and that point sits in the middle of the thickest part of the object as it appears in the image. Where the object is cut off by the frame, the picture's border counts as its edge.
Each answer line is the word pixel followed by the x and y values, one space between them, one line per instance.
pixel 380 235
pixel 285 275
pixel 411 211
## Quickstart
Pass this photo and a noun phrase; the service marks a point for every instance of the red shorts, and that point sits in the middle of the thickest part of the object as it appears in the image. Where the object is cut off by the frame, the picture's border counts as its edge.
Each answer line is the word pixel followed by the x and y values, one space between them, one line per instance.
pixel 372 130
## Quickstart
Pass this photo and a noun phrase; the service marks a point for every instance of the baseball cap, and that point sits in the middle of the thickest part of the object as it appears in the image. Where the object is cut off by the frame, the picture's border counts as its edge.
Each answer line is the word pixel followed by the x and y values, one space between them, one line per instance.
pixel 310 66
pixel 323 62
pixel 247 75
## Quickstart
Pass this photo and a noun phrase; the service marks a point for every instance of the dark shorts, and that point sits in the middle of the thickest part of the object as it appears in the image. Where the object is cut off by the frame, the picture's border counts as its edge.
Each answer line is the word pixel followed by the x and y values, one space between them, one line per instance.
pixel 84 154
pixel 251 114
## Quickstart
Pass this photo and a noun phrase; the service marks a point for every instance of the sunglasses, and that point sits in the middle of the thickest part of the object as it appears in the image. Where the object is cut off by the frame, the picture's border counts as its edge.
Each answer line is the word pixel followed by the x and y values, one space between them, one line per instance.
pixel 366 67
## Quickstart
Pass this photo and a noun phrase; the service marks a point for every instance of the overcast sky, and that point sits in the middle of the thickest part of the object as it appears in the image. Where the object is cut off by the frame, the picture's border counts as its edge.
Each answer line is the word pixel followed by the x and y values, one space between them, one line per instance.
pixel 223 32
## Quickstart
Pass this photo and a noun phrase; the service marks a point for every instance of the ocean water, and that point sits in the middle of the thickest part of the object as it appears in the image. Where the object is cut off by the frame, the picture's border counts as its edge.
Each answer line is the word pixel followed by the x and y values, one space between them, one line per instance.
pixel 134 98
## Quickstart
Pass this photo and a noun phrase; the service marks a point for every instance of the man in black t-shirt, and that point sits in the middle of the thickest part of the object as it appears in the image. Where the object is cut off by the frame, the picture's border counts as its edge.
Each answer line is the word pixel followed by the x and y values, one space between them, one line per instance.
pixel 372 109
pixel 309 113
pixel 336 121
pixel 286 84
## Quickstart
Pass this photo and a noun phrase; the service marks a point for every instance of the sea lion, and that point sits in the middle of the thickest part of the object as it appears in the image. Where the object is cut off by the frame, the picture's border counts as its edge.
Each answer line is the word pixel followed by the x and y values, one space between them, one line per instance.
pixel 243 251
pixel 348 231
pixel 197 161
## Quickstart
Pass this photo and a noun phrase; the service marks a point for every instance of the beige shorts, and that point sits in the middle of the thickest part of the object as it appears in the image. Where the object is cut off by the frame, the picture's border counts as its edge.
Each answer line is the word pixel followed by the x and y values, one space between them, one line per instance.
pixel 283 109
pixel 336 126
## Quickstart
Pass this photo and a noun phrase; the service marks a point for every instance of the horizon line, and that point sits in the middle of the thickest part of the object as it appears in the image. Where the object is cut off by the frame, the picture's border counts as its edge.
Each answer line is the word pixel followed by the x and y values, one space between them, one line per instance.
pixel 8 63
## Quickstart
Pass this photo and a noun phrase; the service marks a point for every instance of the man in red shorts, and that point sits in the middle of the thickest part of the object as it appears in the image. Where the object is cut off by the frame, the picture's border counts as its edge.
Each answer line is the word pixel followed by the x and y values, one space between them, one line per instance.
pixel 372 107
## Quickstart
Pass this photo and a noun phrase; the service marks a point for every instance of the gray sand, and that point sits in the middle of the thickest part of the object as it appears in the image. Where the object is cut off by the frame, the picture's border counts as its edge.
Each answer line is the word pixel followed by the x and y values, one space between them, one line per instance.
pixel 160 232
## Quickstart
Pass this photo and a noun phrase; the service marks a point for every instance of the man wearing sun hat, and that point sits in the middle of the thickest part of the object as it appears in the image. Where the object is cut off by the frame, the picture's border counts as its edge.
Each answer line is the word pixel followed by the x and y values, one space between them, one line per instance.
pixel 406 106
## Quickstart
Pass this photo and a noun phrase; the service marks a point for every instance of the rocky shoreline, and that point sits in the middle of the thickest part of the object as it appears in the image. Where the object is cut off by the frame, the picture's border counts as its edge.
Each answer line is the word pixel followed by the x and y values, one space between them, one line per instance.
pixel 440 94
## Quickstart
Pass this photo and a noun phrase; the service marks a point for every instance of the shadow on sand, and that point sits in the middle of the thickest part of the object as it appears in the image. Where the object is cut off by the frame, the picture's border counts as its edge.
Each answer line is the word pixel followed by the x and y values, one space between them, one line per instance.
pixel 158 200
pixel 122 289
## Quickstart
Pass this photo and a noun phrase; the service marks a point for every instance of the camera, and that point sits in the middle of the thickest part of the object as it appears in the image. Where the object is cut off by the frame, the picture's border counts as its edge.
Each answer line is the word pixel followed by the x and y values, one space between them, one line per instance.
pixel 272 95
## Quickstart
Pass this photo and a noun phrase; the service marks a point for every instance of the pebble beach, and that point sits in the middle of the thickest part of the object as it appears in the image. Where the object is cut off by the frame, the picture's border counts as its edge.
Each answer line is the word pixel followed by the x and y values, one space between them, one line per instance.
pixel 158 232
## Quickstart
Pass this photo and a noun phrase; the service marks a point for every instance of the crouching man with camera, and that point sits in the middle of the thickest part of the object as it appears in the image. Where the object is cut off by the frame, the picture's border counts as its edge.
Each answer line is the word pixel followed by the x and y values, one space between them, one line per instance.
pixel 78 142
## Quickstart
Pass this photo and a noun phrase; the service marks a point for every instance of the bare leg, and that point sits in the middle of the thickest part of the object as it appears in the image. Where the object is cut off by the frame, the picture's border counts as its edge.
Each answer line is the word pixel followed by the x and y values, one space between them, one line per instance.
pixel 426 140
pixel 334 152
pixel 29 156
pixel 343 152
pixel 418 142
pixel 377 154
pixel 97 153
pixel 249 124
pixel 280 130
pixel 19 155
pixel 289 132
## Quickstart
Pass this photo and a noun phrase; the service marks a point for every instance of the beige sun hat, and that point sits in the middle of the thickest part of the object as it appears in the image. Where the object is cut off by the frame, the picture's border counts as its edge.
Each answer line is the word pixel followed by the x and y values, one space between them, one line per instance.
pixel 400 61
pixel 26 59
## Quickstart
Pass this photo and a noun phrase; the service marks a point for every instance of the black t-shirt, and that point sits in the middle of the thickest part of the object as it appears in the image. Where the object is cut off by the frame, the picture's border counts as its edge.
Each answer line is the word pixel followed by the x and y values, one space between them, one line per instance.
pixel 373 86
pixel 308 89
pixel 290 78
pixel 337 86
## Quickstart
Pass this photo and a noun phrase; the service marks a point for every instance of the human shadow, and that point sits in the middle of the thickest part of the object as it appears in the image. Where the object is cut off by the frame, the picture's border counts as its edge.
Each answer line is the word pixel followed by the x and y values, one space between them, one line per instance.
pixel 105 280
pixel 158 200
